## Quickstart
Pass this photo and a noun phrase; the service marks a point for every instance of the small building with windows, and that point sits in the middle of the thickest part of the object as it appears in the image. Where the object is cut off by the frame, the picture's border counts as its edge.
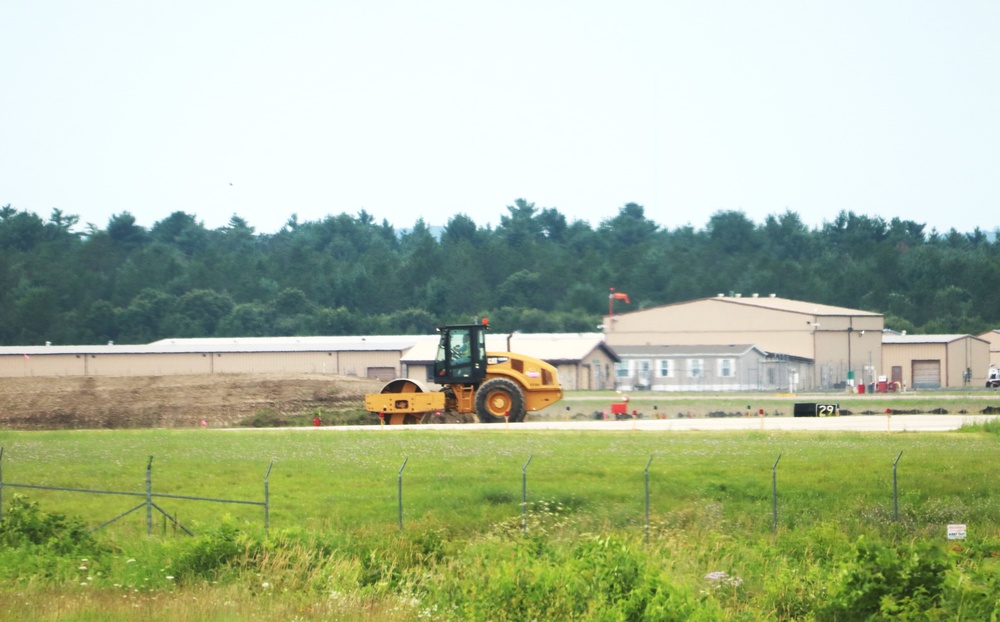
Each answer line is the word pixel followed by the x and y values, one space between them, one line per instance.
pixel 706 368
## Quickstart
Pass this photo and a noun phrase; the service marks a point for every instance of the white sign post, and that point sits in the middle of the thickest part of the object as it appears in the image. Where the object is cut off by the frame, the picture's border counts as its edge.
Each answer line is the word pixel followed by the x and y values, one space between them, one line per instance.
pixel 956 532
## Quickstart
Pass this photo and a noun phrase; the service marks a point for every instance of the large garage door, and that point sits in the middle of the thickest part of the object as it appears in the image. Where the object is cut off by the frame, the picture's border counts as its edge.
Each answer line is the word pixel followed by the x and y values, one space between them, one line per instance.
pixel 926 374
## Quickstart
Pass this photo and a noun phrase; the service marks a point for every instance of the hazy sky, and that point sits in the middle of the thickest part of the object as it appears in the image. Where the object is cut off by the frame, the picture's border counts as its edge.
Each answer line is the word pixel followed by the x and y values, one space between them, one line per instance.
pixel 426 109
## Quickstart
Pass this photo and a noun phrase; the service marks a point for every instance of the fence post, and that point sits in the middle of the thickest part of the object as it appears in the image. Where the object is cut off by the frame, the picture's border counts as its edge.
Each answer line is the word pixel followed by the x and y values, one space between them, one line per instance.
pixel 647 495
pixel 524 495
pixel 149 497
pixel 267 501
pixel 774 494
pixel 405 460
pixel 895 490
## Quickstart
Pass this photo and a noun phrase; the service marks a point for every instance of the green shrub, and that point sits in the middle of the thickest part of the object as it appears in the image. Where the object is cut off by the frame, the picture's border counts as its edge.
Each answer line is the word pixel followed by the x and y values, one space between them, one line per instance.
pixel 974 595
pixel 208 556
pixel 888 582
pixel 535 578
pixel 24 524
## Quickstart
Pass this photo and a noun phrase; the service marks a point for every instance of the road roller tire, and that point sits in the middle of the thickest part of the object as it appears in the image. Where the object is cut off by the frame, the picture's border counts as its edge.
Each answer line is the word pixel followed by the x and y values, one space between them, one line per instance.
pixel 497 396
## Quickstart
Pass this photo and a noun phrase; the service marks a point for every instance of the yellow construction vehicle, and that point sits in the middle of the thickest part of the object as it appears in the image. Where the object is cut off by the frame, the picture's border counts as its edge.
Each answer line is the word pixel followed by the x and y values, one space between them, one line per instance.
pixel 489 385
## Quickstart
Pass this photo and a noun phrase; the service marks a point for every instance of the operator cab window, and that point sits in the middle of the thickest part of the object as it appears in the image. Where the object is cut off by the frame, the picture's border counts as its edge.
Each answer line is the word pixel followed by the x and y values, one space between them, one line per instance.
pixel 459 357
pixel 460 352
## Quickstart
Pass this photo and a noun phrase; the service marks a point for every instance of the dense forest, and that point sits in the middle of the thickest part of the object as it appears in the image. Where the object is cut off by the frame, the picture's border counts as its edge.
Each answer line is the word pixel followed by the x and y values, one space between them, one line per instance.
pixel 535 272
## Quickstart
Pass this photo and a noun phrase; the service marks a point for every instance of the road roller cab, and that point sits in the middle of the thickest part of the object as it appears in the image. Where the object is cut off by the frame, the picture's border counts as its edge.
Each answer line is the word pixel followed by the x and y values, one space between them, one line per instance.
pixel 489 385
pixel 461 354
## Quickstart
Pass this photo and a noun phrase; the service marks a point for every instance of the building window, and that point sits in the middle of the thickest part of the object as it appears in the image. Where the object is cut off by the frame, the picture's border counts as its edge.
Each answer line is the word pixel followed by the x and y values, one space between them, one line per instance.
pixel 695 368
pixel 621 369
pixel 725 368
pixel 664 369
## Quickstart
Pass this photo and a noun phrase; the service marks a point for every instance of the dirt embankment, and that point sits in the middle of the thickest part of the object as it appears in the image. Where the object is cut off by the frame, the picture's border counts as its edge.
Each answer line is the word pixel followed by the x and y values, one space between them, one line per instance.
pixel 171 401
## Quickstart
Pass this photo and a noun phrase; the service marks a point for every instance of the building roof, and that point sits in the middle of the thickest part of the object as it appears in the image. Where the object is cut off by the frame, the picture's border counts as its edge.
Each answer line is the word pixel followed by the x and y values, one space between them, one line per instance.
pixel 992 336
pixel 892 338
pixel 378 343
pixel 793 306
pixel 550 347
pixel 772 302
pixel 560 347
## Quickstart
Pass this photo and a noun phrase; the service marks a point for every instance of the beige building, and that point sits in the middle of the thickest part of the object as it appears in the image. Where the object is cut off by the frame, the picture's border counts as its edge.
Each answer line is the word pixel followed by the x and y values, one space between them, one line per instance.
pixel 835 345
pixel 935 361
pixel 372 357
pixel 993 337
pixel 582 360
pixel 713 344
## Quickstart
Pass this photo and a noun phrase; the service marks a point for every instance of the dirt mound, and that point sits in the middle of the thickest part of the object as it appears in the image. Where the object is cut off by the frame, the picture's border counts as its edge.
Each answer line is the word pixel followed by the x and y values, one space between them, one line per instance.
pixel 171 401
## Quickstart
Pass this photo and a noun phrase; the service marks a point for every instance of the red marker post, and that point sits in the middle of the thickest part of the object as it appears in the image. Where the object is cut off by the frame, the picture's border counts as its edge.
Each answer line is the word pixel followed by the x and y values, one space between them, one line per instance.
pixel 506 421
pixel 381 418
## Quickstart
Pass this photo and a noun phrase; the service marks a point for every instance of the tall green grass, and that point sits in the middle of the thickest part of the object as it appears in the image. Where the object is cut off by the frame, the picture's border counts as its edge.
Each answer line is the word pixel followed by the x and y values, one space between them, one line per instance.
pixel 335 549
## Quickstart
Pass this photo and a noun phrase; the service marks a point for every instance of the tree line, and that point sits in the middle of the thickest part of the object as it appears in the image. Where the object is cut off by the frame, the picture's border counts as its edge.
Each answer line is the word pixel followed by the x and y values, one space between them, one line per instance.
pixel 536 271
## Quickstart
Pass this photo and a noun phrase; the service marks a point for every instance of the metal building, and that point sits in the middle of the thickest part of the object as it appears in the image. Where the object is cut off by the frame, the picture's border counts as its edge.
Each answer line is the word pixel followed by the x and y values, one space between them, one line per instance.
pixel 834 346
pixel 993 337
pixel 372 357
pixel 583 361
pixel 935 361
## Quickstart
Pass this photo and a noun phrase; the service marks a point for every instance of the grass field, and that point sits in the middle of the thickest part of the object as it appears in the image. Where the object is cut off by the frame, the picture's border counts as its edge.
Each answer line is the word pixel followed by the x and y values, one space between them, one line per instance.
pixel 464 481
pixel 336 550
